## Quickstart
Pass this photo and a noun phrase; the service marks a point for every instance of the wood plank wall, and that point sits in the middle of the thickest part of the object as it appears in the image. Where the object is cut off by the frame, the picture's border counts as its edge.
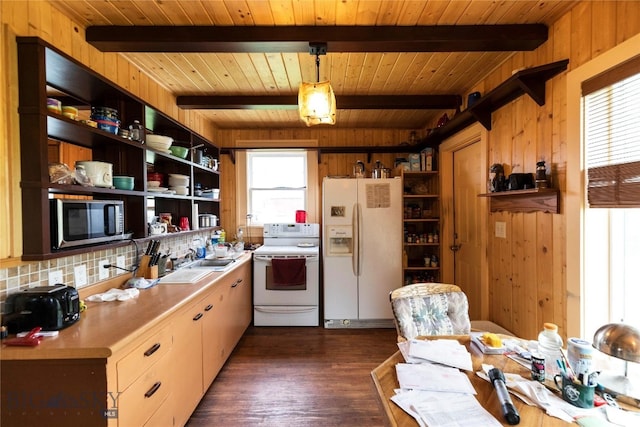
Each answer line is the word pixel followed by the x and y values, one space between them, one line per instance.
pixel 527 271
pixel 329 164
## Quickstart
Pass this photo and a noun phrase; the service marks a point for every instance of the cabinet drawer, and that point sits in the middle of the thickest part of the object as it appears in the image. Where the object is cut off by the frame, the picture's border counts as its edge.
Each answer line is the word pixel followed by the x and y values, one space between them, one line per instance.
pixel 163 417
pixel 144 356
pixel 139 402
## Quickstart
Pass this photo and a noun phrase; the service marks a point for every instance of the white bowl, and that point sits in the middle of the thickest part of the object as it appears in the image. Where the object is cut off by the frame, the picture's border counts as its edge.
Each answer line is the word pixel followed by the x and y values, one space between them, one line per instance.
pixel 153 184
pixel 159 142
pixel 178 182
pixel 180 190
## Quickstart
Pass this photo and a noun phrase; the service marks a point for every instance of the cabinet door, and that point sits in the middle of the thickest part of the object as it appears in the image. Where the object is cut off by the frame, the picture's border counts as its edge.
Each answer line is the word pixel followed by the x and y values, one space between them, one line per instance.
pixel 213 351
pixel 240 302
pixel 187 362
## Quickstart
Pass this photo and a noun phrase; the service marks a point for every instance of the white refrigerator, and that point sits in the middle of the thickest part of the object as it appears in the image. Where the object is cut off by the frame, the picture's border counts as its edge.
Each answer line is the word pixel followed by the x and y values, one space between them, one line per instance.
pixel 362 250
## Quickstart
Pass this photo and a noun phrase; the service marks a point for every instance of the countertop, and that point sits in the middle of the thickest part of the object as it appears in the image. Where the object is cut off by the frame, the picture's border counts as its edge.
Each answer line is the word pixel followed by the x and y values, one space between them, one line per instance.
pixel 106 327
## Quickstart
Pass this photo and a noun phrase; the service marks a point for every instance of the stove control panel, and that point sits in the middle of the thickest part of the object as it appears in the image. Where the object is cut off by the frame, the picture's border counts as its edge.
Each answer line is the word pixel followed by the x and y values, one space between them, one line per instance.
pixel 291 230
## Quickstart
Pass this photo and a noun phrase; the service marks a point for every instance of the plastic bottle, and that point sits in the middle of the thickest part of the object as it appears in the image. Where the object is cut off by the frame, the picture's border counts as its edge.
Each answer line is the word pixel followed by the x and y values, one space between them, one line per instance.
pixel 550 347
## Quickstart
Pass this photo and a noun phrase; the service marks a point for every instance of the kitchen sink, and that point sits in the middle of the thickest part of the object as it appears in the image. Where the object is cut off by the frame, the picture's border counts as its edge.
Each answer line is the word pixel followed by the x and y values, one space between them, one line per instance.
pixel 214 263
pixel 196 270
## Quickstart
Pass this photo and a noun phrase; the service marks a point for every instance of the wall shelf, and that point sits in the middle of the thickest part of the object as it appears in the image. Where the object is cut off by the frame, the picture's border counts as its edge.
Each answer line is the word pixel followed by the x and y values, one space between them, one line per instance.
pixel 530 200
pixel 530 81
pixel 45 71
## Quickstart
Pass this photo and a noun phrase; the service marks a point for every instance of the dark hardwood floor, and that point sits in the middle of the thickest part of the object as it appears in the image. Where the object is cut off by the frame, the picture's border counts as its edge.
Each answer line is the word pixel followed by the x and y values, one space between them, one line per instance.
pixel 298 376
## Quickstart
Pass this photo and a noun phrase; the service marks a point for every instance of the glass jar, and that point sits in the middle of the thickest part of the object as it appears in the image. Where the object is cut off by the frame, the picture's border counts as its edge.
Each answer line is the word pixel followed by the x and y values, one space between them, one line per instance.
pixel 136 133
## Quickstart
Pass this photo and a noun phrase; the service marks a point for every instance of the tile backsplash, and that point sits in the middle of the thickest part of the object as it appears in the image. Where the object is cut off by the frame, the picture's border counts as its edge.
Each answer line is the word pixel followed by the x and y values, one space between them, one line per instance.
pixel 36 273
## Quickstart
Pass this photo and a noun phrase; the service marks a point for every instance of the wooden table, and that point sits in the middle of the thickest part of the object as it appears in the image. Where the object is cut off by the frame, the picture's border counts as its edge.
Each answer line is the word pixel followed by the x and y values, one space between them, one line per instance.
pixel 385 381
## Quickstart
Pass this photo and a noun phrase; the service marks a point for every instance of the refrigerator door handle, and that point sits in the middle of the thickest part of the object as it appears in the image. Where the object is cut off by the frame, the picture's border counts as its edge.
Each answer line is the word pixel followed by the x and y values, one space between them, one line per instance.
pixel 355 223
pixel 354 233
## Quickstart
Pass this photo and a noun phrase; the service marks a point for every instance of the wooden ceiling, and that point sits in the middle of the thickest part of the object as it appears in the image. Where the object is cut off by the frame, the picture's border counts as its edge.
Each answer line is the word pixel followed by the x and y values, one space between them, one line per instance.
pixel 383 71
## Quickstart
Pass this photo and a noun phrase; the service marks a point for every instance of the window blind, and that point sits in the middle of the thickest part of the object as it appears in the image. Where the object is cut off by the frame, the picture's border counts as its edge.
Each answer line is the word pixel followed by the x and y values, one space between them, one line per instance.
pixel 612 141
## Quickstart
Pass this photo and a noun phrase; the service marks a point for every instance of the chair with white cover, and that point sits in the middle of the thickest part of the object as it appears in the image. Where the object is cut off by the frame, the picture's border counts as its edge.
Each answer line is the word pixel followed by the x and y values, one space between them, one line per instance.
pixel 423 309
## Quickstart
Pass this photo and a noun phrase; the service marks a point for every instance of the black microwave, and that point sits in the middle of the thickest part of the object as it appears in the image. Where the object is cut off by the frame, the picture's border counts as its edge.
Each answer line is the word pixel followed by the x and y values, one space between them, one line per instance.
pixel 85 222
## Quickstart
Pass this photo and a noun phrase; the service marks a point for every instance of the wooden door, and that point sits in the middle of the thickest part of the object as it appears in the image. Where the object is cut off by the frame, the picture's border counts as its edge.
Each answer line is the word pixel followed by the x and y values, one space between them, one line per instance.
pixel 468 182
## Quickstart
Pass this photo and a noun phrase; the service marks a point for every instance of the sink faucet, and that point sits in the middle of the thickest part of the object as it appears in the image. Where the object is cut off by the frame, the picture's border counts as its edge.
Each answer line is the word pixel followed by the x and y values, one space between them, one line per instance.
pixel 191 254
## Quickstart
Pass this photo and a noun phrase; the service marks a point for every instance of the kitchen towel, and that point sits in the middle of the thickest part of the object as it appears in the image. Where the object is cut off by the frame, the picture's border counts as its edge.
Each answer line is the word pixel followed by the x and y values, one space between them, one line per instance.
pixel 289 271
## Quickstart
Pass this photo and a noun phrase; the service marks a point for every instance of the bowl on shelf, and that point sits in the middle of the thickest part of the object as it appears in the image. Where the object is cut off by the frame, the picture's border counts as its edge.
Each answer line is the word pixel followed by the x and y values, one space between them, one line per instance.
pixel 180 190
pixel 176 180
pixel 159 142
pixel 153 184
pixel 70 112
pixel 104 113
pixel 178 151
pixel 54 105
pixel 123 182
pixel 108 126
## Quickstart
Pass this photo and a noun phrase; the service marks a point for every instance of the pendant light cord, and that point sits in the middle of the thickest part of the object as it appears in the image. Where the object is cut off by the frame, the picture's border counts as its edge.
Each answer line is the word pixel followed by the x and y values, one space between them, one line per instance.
pixel 317 67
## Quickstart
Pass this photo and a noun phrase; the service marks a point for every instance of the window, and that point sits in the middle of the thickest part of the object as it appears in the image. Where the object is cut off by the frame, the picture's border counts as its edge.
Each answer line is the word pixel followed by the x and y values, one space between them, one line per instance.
pixel 611 216
pixel 276 184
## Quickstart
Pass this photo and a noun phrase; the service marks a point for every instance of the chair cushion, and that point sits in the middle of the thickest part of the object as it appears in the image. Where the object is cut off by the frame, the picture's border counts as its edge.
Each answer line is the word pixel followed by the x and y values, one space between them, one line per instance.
pixel 420 312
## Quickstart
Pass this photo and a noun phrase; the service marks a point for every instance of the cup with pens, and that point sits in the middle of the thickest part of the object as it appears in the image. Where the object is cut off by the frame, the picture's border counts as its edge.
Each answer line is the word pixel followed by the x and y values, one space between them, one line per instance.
pixel 577 390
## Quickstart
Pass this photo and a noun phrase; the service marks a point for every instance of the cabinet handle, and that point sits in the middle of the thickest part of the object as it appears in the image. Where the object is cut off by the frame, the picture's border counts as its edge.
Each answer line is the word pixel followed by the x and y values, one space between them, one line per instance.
pixel 153 389
pixel 208 308
pixel 198 316
pixel 152 349
pixel 236 283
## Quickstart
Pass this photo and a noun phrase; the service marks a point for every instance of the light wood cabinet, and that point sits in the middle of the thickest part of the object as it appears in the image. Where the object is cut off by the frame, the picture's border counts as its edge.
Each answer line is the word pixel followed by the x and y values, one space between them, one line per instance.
pixel 155 375
pixel 187 361
pixel 214 353
pixel 238 308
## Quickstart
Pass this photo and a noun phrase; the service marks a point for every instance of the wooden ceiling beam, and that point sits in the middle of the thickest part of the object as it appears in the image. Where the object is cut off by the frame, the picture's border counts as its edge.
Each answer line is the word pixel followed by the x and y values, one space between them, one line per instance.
pixel 343 102
pixel 440 38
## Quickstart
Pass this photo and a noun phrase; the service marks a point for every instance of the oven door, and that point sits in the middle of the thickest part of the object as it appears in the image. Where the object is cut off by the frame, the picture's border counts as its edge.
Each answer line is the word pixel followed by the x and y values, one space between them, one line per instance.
pixel 267 292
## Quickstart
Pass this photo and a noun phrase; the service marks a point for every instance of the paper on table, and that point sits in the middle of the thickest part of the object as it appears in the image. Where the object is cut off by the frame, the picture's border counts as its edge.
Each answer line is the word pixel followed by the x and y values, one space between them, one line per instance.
pixel 405 398
pixel 534 393
pixel 404 349
pixel 432 377
pixel 446 352
pixel 427 408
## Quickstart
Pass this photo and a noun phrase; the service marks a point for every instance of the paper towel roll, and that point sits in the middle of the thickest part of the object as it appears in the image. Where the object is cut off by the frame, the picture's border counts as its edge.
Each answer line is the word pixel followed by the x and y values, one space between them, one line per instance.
pixel 194 217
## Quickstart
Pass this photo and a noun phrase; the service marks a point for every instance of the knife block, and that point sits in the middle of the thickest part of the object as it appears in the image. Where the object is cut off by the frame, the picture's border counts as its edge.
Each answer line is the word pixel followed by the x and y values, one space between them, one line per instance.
pixel 144 270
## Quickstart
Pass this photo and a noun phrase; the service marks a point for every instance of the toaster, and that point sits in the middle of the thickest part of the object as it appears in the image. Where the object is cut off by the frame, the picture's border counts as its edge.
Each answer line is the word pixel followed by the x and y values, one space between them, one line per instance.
pixel 50 307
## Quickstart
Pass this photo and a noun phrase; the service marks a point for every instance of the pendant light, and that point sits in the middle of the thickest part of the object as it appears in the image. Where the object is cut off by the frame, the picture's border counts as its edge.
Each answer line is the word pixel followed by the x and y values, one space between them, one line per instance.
pixel 316 101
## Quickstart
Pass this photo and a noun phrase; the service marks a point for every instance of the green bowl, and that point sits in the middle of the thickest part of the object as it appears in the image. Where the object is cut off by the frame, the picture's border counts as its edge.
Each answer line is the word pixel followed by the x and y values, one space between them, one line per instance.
pixel 123 182
pixel 179 151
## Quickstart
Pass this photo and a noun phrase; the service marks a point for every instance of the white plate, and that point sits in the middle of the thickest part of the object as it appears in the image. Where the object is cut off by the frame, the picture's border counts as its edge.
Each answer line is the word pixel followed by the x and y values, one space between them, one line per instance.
pixel 157 189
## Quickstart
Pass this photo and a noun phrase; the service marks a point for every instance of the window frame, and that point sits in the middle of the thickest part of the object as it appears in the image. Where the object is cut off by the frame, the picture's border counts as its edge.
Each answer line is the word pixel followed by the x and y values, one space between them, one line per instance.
pixel 313 189
pixel 273 153
pixel 576 179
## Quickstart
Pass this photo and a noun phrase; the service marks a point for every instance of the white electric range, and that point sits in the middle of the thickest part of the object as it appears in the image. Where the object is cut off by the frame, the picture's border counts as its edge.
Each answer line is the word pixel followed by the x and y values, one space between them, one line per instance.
pixel 283 297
